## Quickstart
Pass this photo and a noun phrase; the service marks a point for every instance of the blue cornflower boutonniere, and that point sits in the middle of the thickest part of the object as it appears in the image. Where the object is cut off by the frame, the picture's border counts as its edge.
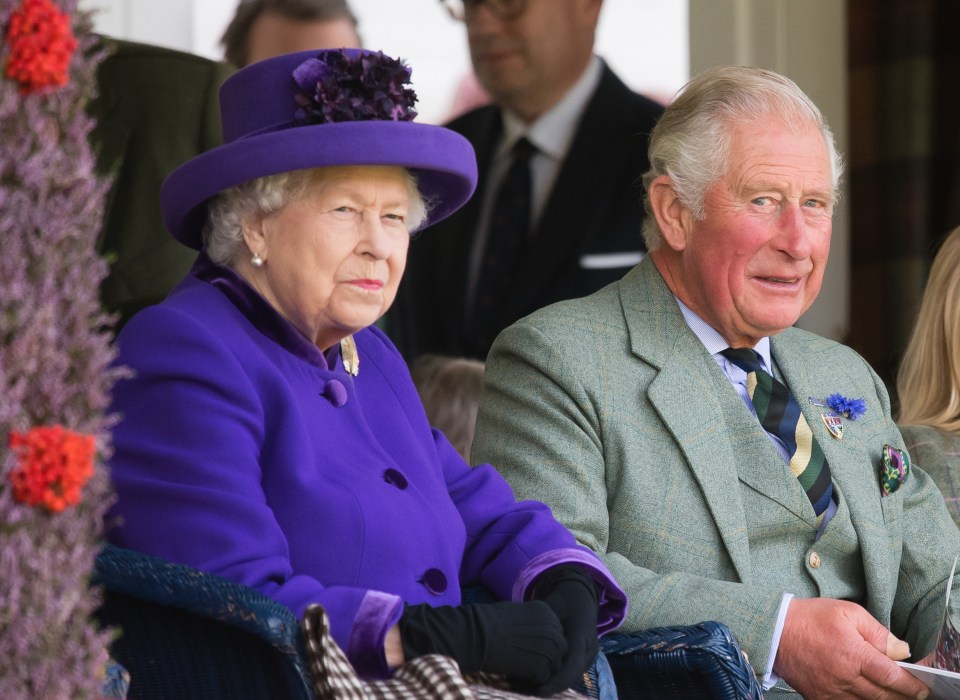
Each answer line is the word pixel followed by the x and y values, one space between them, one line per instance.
pixel 837 408
pixel 849 408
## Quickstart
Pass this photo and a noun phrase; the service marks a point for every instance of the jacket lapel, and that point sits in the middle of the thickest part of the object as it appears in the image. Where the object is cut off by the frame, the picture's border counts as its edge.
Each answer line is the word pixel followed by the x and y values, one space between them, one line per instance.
pixel 660 337
pixel 588 179
pixel 854 464
pixel 446 252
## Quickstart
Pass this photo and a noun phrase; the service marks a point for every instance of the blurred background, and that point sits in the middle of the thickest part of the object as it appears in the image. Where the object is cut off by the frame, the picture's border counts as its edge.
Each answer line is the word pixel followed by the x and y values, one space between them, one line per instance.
pixel 883 72
pixel 645 41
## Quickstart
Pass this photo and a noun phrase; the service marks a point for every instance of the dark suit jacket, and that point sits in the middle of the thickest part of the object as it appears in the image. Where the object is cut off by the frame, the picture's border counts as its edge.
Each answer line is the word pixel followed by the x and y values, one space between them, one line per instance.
pixel 594 208
pixel 157 108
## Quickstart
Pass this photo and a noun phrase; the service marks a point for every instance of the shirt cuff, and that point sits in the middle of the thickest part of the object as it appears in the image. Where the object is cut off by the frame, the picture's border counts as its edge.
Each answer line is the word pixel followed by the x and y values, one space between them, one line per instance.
pixel 769 677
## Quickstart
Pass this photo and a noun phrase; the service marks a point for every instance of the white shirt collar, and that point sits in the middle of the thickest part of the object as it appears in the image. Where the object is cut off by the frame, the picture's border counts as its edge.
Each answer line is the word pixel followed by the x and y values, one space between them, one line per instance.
pixel 553 132
pixel 714 342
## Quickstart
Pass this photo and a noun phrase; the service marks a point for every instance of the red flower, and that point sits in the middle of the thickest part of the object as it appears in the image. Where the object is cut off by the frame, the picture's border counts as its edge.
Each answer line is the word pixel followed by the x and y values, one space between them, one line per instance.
pixel 53 466
pixel 41 45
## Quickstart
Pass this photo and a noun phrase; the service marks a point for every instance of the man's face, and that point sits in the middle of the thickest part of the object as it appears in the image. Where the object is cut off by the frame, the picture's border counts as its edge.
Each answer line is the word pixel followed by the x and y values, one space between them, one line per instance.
pixel 529 62
pixel 755 262
pixel 272 34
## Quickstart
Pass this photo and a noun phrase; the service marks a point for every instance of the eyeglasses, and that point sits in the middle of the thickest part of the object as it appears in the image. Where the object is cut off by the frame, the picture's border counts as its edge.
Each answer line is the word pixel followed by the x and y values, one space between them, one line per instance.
pixel 501 9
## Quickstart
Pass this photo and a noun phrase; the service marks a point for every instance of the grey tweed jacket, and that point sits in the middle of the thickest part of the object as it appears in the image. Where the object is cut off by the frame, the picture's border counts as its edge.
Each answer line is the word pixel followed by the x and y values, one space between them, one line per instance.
pixel 611 410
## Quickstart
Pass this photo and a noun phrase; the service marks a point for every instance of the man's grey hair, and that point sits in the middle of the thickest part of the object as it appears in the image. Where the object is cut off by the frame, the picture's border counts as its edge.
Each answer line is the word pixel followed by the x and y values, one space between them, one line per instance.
pixel 691 141
pixel 230 210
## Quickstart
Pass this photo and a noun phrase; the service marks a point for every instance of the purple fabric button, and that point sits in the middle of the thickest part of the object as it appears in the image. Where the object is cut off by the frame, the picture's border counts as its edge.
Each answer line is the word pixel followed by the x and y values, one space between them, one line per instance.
pixel 335 392
pixel 395 478
pixel 434 581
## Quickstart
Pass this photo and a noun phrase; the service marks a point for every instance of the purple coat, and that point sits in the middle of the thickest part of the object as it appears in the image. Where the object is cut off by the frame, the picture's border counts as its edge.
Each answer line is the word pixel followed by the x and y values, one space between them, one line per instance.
pixel 245 451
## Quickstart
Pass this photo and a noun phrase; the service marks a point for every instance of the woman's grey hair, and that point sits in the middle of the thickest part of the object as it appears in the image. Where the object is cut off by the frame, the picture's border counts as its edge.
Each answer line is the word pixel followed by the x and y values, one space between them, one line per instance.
pixel 691 141
pixel 232 208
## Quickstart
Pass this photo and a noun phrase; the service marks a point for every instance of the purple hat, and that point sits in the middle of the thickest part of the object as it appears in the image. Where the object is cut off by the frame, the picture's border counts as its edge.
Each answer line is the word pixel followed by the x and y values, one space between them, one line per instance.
pixel 314 109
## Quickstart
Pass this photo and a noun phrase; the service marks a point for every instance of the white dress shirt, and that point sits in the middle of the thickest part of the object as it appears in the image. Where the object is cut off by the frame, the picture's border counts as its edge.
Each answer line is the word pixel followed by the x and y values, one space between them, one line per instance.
pixel 552 133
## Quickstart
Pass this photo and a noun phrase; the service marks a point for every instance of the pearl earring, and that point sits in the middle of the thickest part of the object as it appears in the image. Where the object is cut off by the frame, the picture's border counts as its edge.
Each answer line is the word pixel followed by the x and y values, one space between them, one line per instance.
pixel 256 260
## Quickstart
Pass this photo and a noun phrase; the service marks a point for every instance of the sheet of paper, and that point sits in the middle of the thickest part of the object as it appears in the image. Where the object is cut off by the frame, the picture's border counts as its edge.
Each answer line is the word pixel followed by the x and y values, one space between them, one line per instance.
pixel 944 685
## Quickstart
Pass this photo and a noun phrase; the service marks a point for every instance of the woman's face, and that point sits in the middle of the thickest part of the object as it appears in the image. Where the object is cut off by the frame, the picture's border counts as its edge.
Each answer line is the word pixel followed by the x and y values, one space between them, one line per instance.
pixel 333 258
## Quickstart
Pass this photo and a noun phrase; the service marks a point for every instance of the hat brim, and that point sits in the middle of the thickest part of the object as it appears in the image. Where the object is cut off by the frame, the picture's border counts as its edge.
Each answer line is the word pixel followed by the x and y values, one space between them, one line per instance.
pixel 442 160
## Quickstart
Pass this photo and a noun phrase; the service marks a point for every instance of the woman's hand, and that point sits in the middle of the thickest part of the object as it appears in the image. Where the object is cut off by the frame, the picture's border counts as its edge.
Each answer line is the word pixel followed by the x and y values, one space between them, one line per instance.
pixel 393 648
pixel 522 641
pixel 572 595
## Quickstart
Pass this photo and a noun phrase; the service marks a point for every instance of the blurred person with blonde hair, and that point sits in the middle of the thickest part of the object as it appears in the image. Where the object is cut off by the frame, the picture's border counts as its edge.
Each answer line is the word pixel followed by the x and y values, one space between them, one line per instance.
pixel 928 382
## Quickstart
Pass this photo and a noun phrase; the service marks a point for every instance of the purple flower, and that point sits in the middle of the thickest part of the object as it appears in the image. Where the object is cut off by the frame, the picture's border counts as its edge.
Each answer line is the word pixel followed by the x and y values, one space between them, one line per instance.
pixel 851 408
pixel 338 86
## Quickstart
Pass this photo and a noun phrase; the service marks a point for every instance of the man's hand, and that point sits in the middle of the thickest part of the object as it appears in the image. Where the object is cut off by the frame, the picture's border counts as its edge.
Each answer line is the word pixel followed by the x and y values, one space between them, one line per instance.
pixel 833 649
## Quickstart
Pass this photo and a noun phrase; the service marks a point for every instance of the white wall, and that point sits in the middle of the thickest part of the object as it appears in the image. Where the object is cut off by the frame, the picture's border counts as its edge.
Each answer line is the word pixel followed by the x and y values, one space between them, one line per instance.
pixel 645 41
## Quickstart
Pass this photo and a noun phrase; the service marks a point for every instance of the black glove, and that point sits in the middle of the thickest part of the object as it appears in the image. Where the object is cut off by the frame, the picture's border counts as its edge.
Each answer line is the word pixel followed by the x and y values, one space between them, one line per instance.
pixel 522 641
pixel 572 595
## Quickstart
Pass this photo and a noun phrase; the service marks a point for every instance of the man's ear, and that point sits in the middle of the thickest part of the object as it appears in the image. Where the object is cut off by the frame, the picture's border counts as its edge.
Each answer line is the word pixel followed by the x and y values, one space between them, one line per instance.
pixel 672 216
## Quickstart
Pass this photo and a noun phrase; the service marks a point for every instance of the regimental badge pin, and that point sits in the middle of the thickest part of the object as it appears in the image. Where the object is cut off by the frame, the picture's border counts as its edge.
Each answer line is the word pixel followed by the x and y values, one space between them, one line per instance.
pixel 838 407
pixel 834 424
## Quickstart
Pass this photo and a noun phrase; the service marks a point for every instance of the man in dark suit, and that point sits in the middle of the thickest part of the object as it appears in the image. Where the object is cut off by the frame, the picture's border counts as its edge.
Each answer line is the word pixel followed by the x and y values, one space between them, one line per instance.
pixel 589 135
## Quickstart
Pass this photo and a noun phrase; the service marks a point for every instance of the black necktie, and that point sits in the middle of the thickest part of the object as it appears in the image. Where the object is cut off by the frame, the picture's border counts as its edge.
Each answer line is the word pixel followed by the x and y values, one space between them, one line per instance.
pixel 505 248
pixel 779 414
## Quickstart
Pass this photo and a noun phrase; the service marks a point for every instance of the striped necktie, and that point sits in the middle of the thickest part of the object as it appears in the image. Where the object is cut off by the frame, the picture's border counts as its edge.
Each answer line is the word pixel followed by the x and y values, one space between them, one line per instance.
pixel 779 414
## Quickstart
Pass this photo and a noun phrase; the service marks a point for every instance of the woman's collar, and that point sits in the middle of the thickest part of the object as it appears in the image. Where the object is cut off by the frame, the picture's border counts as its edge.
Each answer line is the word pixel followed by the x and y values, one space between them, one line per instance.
pixel 261 314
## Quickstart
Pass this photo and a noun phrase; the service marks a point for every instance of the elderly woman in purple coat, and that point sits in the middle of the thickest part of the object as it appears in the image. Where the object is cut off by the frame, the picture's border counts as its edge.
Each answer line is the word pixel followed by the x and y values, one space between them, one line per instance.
pixel 271 434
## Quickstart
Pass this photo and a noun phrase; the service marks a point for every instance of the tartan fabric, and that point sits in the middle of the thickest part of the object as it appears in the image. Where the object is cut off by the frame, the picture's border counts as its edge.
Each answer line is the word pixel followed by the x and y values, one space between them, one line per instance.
pixel 903 163
pixel 431 676
pixel 779 414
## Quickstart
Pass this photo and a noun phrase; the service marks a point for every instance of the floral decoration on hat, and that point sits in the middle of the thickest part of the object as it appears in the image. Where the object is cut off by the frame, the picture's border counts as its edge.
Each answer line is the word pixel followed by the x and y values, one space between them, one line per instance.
pixel 340 87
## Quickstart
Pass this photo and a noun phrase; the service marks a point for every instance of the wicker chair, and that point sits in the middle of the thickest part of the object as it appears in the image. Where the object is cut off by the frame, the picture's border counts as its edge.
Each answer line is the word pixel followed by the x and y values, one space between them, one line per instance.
pixel 189 634
pixel 185 633
pixel 680 663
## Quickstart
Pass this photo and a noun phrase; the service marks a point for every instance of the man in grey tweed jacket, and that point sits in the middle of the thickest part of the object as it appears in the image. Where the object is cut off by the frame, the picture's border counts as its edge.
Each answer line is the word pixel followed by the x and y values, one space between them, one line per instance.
pixel 620 412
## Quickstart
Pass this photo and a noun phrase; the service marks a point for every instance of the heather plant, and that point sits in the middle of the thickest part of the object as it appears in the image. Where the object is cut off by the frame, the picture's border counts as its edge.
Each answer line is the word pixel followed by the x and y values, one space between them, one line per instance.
pixel 55 354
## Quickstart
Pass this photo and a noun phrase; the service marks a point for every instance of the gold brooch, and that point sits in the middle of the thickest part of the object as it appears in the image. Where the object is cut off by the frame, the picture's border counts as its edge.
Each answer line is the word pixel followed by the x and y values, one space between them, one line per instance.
pixel 350 356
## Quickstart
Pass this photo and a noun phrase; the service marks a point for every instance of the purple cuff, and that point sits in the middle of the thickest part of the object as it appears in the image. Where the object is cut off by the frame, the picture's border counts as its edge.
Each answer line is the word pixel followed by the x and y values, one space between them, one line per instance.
pixel 612 600
pixel 378 613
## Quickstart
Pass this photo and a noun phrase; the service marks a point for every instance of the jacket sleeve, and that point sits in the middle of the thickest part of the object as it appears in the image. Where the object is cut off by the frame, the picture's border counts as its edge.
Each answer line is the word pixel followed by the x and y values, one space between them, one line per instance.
pixel 508 542
pixel 544 424
pixel 511 542
pixel 186 462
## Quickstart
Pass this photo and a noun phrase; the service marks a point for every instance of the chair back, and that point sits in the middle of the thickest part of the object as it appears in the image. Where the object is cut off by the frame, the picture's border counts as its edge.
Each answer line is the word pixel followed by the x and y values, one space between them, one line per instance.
pixel 183 633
